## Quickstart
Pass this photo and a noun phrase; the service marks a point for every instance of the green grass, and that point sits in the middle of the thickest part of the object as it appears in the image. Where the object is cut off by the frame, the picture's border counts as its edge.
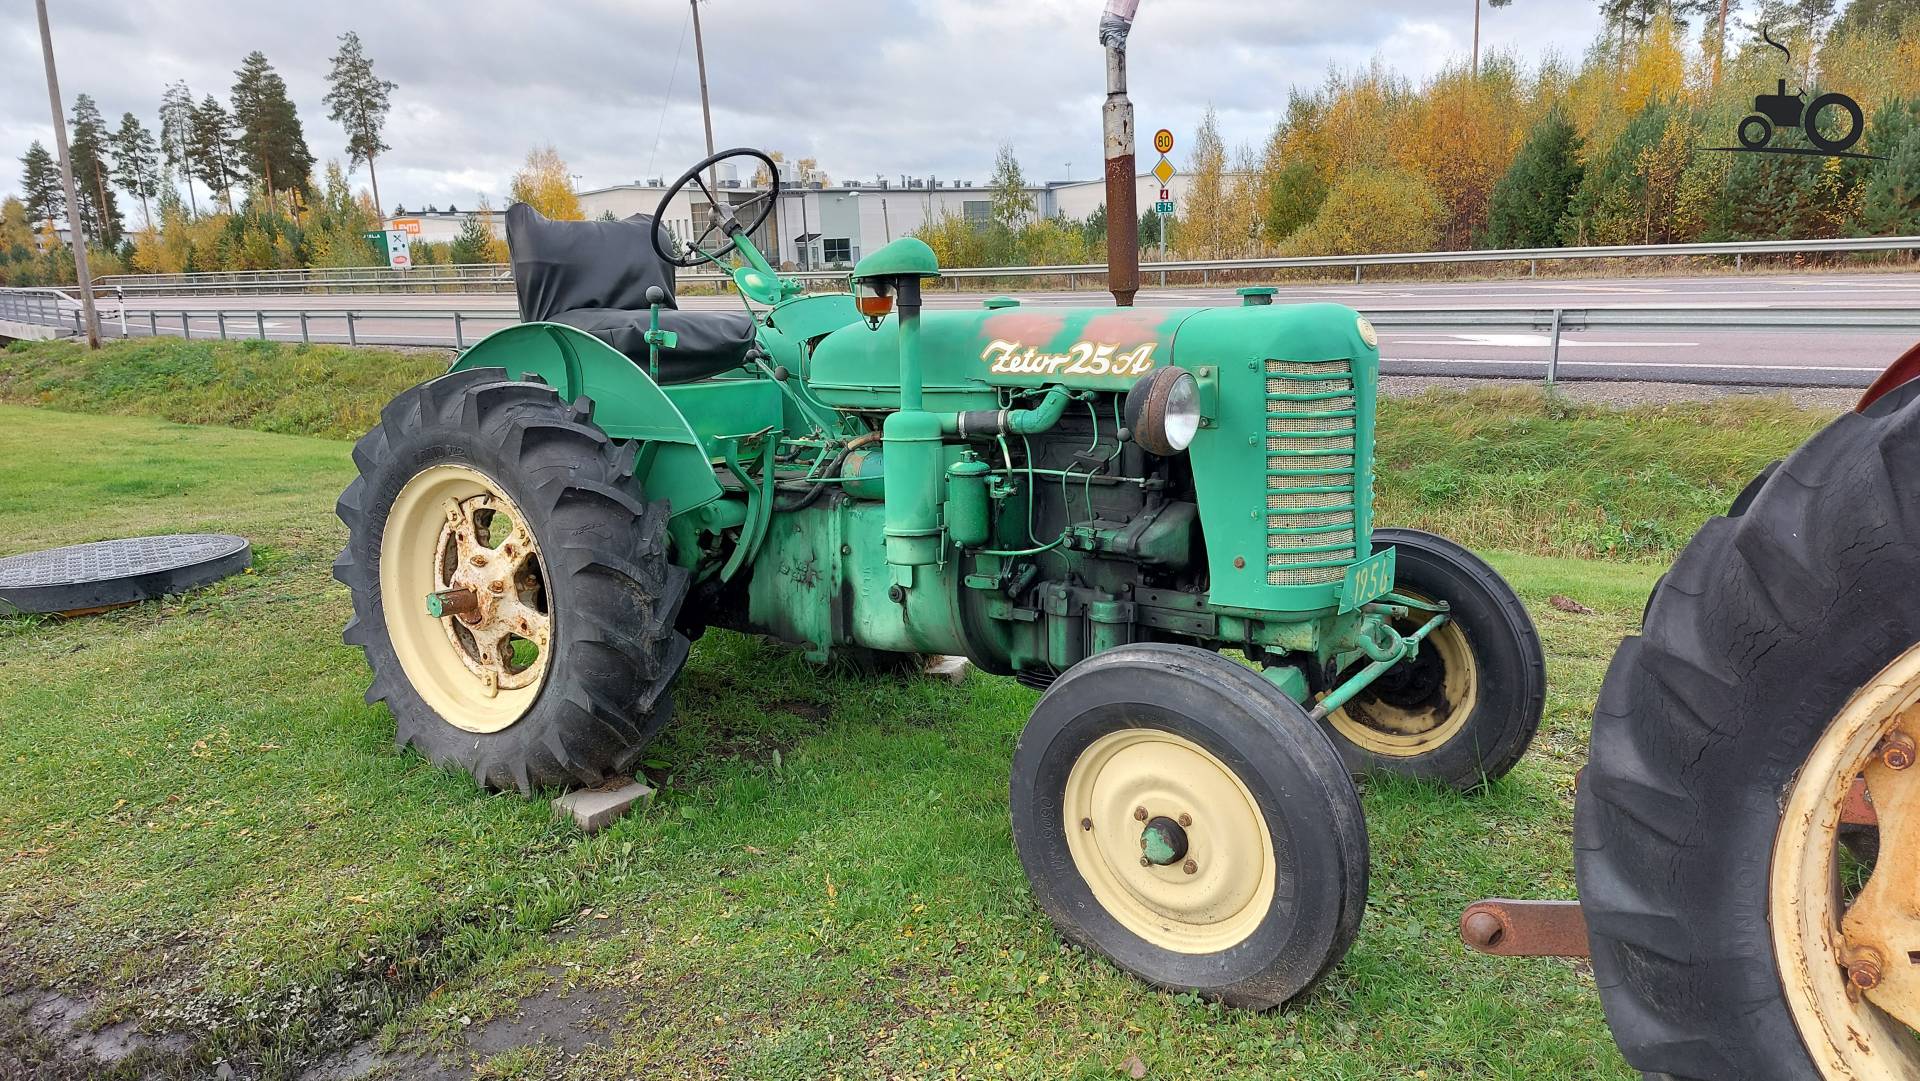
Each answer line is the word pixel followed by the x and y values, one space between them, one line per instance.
pixel 205 829
pixel 1508 469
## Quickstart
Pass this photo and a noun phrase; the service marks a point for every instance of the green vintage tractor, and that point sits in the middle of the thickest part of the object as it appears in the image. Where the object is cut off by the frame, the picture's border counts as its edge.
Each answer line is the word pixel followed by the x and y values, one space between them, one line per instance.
pixel 1162 517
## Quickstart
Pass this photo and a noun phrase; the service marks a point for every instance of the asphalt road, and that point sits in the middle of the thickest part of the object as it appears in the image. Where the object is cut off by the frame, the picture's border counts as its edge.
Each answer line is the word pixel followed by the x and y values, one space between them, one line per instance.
pixel 1770 357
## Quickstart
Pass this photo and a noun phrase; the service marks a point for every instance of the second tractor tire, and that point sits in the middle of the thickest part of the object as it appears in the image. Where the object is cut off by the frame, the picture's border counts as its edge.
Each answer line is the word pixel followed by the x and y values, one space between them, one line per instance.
pixel 602 578
pixel 1766 626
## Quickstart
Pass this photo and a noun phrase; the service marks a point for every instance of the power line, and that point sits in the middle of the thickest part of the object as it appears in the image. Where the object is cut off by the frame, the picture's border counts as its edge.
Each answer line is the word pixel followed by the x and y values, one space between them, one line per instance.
pixel 668 100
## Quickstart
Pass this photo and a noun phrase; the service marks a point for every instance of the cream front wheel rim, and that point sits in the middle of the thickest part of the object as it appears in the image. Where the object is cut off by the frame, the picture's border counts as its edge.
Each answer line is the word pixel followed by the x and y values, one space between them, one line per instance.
pixel 1820 936
pixel 1373 721
pixel 452 529
pixel 1221 885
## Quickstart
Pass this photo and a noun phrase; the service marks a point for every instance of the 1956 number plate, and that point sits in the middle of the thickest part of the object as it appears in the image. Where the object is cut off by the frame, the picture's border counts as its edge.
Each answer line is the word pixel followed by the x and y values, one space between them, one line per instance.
pixel 1367 580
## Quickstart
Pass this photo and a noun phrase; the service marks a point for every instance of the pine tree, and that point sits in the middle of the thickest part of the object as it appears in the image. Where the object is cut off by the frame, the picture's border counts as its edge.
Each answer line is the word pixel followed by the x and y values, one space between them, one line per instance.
pixel 475 242
pixel 136 163
pixel 40 186
pixel 1530 200
pixel 210 152
pixel 271 147
pixel 358 101
pixel 92 173
pixel 1886 16
pixel 176 136
pixel 1293 198
pixel 1892 198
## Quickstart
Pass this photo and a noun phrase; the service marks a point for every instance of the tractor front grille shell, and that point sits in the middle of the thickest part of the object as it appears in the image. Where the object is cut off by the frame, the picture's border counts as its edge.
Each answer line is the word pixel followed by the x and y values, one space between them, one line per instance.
pixel 1311 471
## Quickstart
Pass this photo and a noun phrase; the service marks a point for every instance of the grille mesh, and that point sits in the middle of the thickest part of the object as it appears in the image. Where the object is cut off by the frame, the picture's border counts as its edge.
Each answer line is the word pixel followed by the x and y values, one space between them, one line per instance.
pixel 1297 510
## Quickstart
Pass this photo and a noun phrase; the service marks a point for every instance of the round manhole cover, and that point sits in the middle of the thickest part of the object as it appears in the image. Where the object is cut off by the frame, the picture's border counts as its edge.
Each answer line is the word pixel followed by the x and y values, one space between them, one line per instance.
pixel 107 574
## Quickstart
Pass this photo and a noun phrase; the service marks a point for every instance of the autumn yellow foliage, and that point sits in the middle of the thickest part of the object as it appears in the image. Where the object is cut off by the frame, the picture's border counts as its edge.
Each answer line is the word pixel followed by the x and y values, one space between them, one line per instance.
pixel 544 184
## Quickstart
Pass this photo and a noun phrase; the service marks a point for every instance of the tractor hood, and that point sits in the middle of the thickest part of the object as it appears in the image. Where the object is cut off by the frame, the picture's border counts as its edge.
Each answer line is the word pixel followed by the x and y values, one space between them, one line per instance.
pixel 967 355
pixel 1287 405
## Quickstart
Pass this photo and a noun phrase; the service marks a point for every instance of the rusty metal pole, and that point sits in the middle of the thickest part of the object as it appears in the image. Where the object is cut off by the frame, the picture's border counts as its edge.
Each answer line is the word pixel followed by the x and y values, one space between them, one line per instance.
pixel 1123 212
pixel 74 227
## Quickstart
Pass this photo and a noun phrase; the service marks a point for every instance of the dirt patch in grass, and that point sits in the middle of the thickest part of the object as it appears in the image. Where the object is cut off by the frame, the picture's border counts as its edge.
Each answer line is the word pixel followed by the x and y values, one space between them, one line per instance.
pixel 48 1035
pixel 556 1025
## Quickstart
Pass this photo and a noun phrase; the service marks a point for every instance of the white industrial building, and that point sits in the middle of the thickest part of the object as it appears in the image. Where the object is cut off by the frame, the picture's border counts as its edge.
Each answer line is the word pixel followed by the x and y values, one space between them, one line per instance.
pixel 818 226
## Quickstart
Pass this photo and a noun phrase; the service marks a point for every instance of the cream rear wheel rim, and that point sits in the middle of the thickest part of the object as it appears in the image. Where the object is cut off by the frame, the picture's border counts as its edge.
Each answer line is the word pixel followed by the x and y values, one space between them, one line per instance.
pixel 439 536
pixel 1374 724
pixel 1229 889
pixel 1850 1033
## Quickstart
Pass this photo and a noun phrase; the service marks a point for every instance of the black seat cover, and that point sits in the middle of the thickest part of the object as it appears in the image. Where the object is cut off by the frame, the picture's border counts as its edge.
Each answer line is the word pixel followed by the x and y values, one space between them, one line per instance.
pixel 594 275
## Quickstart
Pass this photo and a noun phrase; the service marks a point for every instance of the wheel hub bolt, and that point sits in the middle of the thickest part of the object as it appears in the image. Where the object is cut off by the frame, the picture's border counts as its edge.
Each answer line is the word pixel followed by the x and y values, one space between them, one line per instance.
pixel 496 587
pixel 479 560
pixel 1863 968
pixel 1139 814
pixel 1086 823
pixel 1186 820
pixel 1897 750
pixel 1190 867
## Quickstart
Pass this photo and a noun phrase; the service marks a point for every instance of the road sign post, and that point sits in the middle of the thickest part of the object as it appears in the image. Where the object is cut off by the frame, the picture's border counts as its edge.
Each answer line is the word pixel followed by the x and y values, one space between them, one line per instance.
pixel 1163 208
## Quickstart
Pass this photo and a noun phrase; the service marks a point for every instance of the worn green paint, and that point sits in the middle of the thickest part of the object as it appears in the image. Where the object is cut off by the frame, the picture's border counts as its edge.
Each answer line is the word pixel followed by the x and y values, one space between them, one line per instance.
pixel 930 551
pixel 907 257
pixel 672 463
pixel 968 514
pixel 1156 848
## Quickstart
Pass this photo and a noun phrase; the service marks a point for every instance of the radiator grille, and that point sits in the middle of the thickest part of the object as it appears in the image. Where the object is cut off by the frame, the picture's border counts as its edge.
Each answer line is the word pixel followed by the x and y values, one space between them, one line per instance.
pixel 1311 481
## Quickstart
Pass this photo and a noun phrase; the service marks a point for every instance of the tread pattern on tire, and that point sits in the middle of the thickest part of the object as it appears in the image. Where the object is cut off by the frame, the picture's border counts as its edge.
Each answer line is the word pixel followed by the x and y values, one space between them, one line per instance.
pixel 616 648
pixel 1768 621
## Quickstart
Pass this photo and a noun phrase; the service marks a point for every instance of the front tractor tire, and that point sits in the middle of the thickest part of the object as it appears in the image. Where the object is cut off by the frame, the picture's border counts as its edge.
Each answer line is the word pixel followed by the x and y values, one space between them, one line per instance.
pixel 1750 915
pixel 1178 813
pixel 1463 711
pixel 511 587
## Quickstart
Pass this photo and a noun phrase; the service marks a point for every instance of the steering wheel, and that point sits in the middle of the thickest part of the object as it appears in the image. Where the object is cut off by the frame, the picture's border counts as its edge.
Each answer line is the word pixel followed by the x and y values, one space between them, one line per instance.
pixel 723 220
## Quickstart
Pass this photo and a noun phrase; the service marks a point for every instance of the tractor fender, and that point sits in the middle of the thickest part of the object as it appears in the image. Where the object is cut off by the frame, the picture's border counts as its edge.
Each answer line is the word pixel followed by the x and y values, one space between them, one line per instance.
pixel 627 404
pixel 1900 371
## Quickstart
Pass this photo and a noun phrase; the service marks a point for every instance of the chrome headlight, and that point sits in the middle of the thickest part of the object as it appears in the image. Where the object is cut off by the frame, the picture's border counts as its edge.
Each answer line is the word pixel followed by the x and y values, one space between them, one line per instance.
pixel 1163 411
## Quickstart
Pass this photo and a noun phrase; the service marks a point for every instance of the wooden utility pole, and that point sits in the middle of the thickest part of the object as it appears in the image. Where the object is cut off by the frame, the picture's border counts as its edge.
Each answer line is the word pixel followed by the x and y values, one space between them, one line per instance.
pixel 75 229
pixel 706 107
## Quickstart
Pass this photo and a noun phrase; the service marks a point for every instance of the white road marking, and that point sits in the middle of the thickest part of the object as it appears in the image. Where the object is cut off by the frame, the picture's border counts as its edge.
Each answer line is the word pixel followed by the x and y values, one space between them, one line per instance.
pixel 1537 341
pixel 1636 364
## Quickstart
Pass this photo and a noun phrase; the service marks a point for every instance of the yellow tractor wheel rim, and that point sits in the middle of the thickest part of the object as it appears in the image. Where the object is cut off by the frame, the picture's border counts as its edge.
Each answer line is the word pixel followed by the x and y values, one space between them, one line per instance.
pixel 453 532
pixel 1821 936
pixel 1219 889
pixel 1370 722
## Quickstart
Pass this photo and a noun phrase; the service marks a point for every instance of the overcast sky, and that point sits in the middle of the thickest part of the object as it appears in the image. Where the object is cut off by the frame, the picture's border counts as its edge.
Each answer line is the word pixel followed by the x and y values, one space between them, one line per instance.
pixel 865 86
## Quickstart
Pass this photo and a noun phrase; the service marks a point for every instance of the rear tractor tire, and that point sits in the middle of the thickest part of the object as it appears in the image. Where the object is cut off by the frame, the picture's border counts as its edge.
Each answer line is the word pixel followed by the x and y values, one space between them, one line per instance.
pixel 1746 922
pixel 511 587
pixel 1463 711
pixel 1178 813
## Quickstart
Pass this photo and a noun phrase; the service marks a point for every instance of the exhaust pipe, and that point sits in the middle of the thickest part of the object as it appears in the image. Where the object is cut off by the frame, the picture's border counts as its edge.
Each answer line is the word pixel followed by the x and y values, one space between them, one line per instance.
pixel 1116 119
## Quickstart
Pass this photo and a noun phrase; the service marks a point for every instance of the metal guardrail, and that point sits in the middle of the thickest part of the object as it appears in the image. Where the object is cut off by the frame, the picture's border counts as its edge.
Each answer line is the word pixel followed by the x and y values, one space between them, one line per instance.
pixel 496 277
pixel 459 327
pixel 41 307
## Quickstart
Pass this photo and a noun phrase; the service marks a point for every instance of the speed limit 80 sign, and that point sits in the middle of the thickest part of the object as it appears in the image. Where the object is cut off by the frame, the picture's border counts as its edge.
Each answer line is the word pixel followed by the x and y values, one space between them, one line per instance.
pixel 1163 140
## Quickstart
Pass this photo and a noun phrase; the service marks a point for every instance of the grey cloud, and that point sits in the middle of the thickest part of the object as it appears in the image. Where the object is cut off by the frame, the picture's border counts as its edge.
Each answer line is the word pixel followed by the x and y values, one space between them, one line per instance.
pixel 865 86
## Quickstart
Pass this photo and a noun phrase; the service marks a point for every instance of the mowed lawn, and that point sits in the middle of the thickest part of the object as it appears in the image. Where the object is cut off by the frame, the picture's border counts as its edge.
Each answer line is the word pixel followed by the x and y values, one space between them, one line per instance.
pixel 204 830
